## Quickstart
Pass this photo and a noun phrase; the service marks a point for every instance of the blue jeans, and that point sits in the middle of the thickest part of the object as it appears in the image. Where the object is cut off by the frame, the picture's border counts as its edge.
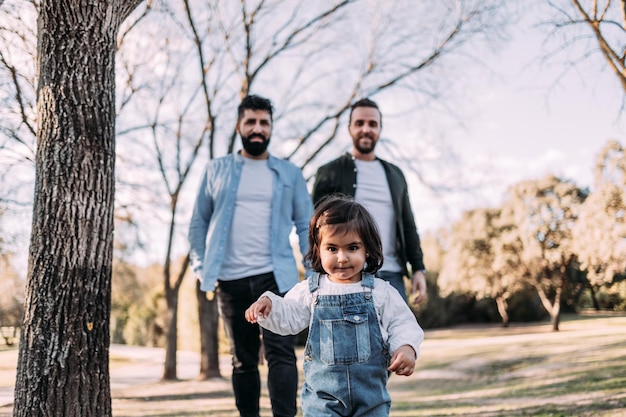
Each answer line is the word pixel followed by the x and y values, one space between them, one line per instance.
pixel 234 297
pixel 396 279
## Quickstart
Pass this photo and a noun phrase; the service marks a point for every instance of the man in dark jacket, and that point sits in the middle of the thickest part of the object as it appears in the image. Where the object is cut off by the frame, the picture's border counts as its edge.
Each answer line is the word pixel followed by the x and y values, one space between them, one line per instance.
pixel 381 187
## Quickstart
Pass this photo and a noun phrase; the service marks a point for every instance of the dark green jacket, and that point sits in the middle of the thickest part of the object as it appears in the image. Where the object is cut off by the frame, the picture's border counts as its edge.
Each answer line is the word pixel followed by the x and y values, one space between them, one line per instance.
pixel 339 176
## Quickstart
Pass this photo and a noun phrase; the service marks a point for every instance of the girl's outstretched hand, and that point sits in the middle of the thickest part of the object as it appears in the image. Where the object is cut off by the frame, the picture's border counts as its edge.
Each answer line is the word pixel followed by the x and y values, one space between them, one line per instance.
pixel 403 361
pixel 259 310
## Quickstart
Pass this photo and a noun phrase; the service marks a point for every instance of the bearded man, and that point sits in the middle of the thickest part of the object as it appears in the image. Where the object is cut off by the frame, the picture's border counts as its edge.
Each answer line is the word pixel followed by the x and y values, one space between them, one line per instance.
pixel 381 187
pixel 245 209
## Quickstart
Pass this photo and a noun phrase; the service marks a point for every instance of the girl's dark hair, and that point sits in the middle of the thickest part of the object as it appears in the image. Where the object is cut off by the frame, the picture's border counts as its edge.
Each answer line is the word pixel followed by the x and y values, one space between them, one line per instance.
pixel 344 215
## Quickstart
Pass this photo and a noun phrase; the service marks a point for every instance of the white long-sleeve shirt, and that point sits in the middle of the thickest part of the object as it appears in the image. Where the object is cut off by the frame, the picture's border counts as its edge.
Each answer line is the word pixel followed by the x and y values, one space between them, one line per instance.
pixel 293 313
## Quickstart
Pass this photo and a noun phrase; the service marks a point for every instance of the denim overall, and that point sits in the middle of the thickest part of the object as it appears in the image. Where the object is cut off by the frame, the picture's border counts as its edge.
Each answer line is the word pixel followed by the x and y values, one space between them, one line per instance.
pixel 345 359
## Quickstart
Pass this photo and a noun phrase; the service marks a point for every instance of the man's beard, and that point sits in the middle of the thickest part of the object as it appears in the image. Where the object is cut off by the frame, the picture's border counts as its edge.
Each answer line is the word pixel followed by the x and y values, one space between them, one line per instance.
pixel 255 148
pixel 365 149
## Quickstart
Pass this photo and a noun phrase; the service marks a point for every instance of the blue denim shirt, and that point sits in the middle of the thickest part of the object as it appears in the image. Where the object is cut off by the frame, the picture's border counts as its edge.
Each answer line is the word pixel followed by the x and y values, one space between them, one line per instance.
pixel 213 214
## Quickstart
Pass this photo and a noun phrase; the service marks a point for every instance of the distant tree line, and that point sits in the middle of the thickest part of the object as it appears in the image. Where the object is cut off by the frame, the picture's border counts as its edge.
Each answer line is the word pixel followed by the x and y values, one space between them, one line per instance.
pixel 550 244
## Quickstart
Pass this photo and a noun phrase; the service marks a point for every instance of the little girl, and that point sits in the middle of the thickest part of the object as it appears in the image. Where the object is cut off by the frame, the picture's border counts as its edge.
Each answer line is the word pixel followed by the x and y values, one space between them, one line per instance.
pixel 360 328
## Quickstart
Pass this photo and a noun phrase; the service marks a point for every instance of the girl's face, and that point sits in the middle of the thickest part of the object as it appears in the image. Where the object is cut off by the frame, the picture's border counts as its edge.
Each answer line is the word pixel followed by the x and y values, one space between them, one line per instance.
pixel 342 255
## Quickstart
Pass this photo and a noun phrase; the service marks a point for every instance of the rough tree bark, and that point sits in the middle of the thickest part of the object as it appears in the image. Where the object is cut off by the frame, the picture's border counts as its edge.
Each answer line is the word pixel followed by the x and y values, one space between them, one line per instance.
pixel 63 364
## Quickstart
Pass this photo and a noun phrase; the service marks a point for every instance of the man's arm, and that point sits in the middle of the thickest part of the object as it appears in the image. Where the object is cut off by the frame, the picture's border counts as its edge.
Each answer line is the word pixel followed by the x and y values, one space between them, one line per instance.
pixel 413 250
pixel 411 237
pixel 199 226
pixel 418 286
pixel 303 211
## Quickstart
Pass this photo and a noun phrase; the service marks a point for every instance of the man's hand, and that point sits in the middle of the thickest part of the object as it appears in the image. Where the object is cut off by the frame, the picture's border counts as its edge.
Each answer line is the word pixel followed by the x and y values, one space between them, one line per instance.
pixel 418 287
pixel 259 310
pixel 403 361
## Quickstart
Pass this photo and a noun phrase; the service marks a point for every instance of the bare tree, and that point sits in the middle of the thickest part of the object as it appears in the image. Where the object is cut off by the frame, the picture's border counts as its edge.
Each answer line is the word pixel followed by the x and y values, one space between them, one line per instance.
pixel 63 365
pixel 170 120
pixel 179 94
pixel 601 21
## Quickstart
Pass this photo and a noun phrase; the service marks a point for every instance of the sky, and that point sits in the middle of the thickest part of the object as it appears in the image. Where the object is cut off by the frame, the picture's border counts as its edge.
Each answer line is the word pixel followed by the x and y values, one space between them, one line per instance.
pixel 518 123
pixel 529 124
pixel 526 122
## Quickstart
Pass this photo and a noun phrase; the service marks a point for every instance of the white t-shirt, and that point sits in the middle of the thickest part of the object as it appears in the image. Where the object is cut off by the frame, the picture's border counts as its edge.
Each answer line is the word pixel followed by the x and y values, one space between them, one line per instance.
pixel 373 192
pixel 248 245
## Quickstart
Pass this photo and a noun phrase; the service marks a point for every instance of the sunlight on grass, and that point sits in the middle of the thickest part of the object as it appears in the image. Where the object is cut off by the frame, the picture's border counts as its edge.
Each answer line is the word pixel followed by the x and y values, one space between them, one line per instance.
pixel 579 371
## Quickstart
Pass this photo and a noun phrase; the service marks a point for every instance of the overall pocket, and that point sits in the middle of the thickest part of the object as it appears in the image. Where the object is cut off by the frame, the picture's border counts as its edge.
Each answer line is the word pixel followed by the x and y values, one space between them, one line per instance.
pixel 345 341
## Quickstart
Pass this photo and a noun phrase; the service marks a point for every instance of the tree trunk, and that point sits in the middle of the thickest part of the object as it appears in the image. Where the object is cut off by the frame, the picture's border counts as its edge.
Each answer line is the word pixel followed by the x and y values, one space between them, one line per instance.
pixel 554 309
pixel 63 363
pixel 171 340
pixel 171 298
pixel 209 341
pixel 594 299
pixel 555 313
pixel 502 309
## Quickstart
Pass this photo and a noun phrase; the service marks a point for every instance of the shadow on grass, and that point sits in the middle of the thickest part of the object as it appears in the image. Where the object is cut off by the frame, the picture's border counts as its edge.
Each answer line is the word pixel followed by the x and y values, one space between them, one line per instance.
pixel 214 412
pixel 610 407
pixel 190 396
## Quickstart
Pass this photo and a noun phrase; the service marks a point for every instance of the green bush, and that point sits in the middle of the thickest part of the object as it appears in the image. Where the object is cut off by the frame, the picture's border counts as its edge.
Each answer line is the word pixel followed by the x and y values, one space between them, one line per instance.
pixel 525 306
pixel 612 298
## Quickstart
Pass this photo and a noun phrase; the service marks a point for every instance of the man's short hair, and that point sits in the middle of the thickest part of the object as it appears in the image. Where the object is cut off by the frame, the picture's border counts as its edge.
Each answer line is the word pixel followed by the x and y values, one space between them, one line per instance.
pixel 252 102
pixel 365 102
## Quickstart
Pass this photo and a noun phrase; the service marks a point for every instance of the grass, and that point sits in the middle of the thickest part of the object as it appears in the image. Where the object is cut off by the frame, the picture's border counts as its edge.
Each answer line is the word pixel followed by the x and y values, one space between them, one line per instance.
pixel 487 371
pixel 521 371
